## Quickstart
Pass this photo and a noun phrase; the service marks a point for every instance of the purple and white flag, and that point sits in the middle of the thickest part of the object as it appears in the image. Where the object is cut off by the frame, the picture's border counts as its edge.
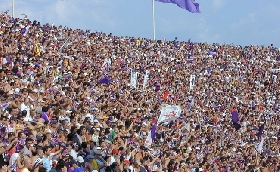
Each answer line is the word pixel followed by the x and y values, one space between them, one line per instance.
pixel 106 64
pixel 169 113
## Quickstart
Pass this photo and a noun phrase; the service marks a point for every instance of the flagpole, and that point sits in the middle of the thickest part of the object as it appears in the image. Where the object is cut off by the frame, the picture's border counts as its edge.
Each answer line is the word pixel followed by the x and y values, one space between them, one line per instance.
pixel 154 23
pixel 13 8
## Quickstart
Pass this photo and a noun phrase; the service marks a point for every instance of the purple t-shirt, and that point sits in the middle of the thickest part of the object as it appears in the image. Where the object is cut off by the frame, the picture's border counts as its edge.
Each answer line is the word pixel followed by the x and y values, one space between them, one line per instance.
pixel 70 170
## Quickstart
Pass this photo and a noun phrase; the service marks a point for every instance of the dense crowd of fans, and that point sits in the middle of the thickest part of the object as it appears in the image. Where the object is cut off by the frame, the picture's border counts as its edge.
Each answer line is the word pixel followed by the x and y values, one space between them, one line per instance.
pixel 57 114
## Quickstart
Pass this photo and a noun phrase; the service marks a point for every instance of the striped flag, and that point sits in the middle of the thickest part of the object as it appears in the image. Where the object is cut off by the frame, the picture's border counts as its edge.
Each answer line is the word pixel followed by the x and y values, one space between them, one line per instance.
pixel 67 42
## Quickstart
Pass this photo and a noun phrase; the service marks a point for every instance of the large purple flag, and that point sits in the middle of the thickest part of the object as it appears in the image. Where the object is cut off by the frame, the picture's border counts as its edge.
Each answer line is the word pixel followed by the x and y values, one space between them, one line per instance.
pixel 189 5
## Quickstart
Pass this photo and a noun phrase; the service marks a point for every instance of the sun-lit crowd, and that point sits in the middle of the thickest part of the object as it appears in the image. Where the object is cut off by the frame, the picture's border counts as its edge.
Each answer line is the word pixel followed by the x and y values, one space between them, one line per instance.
pixel 82 101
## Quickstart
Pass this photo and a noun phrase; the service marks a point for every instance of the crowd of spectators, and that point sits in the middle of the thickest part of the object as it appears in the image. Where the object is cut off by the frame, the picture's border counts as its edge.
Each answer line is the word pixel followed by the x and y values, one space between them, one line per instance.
pixel 56 115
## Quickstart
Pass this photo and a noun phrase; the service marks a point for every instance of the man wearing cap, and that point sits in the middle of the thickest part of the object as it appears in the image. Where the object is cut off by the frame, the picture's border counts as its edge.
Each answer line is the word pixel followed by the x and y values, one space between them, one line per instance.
pixel 81 165
pixel 88 163
pixel 74 151
pixel 100 161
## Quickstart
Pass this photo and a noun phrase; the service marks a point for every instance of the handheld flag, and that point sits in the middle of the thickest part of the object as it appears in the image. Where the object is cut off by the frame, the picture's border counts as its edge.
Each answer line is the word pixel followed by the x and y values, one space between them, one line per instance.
pixel 165 95
pixel 234 115
pixel 37 50
pixel 260 131
pixel 104 80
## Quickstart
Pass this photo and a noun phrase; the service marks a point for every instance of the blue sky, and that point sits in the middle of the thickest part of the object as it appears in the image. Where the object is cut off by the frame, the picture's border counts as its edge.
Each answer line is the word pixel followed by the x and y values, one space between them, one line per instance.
pixel 221 21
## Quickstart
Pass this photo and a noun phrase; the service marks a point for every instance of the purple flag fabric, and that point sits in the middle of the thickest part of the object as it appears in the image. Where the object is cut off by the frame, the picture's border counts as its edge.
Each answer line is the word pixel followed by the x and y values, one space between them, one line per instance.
pixel 153 131
pixel 260 131
pixel 234 116
pixel 45 116
pixel 189 5
pixel 104 80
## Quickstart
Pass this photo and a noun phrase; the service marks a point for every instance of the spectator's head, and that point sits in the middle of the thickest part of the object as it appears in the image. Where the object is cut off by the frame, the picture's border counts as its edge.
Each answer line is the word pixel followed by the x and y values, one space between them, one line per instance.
pixel 20 149
pixel 24 113
pixel 27 163
pixel 21 135
pixel 47 150
pixel 29 142
pixel 40 152
pixel 42 169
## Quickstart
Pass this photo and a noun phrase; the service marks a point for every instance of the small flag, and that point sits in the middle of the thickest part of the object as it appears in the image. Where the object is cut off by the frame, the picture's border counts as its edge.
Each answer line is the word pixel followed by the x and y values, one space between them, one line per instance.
pixel 260 131
pixel 165 95
pixel 157 88
pixel 37 50
pixel 236 126
pixel 67 42
pixel 153 131
pixel 234 115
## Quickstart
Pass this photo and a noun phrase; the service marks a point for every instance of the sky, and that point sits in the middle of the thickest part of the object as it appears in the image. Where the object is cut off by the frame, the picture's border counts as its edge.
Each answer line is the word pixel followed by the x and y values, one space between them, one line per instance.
pixel 239 22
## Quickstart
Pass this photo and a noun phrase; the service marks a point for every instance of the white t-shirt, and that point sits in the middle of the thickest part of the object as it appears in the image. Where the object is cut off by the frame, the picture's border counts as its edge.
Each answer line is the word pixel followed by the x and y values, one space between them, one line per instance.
pixel 23 107
pixel 74 154
pixel 95 138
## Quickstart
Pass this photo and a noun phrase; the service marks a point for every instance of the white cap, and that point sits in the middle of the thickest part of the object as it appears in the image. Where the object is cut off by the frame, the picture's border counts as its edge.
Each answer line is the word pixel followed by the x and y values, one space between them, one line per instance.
pixel 80 159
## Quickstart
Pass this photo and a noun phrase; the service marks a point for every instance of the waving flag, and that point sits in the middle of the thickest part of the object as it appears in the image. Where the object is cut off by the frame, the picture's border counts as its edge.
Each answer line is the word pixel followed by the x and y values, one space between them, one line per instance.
pixel 165 95
pixel 169 113
pixel 153 131
pixel 104 80
pixel 133 79
pixel 189 5
pixel 67 42
pixel 234 115
pixel 260 146
pixel 37 50
pixel 260 131
pixel 106 64
pixel 149 140
pixel 146 78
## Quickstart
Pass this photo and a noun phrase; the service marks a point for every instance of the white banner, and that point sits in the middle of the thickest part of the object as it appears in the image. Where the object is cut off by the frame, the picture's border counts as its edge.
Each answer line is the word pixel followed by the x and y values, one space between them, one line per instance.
pixel 192 80
pixel 133 79
pixel 148 141
pixel 106 64
pixel 169 113
pixel 146 78
pixel 260 146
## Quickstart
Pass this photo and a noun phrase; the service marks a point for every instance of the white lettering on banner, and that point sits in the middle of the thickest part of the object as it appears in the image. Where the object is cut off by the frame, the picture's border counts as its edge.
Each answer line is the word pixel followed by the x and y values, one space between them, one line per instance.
pixel 169 113
pixel 133 79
